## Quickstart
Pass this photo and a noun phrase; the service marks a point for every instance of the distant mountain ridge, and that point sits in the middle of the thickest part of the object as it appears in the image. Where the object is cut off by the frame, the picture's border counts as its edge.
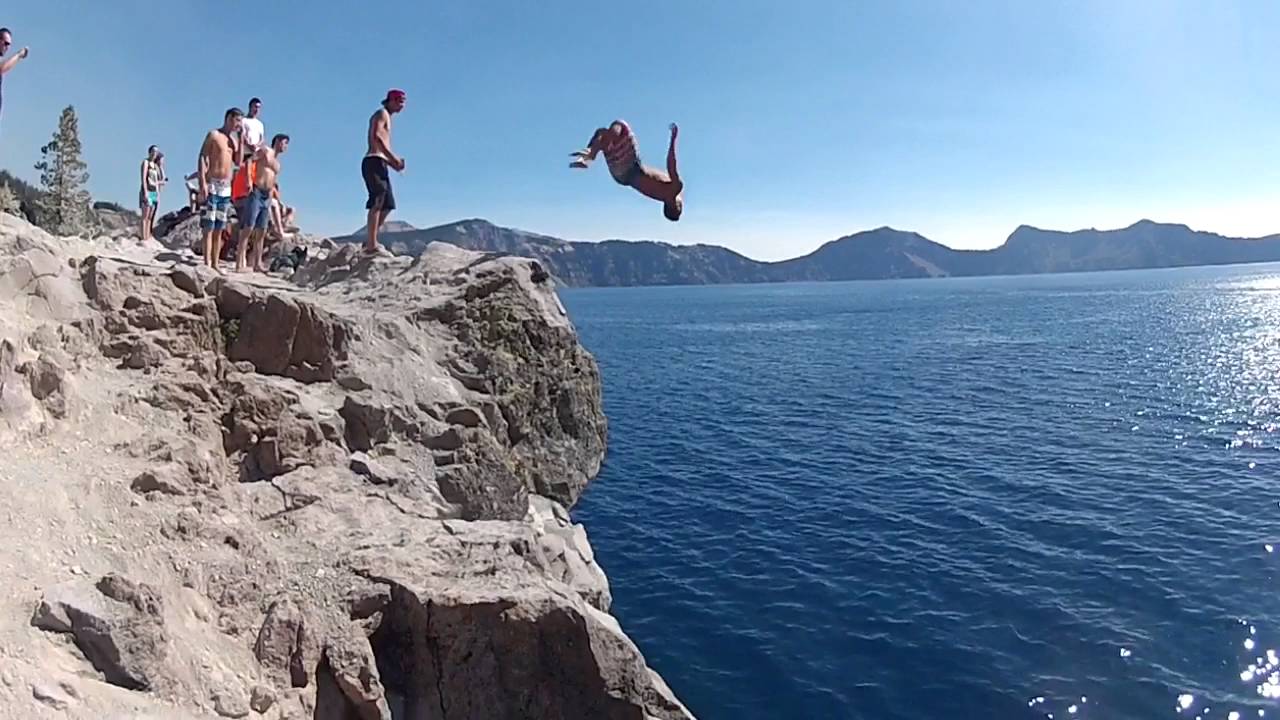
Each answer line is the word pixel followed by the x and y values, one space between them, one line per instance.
pixel 390 226
pixel 883 253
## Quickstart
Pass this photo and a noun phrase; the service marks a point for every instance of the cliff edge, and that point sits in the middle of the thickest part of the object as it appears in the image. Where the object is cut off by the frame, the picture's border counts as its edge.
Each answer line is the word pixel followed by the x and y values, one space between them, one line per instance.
pixel 342 496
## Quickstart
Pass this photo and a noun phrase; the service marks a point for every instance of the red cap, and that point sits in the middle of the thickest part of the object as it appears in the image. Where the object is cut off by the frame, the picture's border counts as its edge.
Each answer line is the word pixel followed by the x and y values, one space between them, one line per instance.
pixel 394 94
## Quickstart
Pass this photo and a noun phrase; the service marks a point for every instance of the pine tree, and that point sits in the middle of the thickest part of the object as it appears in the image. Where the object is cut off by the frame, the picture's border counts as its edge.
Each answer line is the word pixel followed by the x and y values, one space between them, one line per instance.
pixel 64 207
pixel 9 202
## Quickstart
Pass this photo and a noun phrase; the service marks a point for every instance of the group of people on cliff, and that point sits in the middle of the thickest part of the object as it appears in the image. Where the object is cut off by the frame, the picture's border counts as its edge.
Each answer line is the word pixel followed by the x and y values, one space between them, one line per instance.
pixel 238 170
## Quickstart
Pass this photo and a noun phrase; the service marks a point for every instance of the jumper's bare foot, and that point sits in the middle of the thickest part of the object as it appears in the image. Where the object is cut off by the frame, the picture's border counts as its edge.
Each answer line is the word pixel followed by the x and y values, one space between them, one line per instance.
pixel 578 164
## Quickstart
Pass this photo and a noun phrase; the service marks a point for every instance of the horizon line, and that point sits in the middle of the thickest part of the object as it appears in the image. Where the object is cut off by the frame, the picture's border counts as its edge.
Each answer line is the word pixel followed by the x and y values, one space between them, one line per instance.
pixel 668 243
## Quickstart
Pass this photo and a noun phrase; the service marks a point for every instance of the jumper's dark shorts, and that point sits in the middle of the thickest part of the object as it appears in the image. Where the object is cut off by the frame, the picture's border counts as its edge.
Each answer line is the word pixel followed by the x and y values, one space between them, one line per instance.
pixel 378 181
pixel 628 176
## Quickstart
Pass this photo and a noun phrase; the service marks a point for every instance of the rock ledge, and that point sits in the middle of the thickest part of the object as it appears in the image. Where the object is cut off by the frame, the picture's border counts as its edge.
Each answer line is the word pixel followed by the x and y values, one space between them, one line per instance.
pixel 342 495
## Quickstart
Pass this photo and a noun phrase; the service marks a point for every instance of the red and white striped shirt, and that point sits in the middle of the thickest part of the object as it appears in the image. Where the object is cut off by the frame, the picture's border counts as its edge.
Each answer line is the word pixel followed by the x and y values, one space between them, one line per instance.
pixel 621 152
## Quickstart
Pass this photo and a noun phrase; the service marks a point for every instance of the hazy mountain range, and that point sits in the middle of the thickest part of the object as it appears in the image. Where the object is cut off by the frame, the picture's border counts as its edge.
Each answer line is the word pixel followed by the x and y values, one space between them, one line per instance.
pixel 871 255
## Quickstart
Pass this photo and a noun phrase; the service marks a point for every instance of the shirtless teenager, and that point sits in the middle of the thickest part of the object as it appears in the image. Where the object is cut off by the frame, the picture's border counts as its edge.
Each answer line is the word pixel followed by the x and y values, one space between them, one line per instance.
pixel 618 144
pixel 253 226
pixel 376 161
pixel 216 164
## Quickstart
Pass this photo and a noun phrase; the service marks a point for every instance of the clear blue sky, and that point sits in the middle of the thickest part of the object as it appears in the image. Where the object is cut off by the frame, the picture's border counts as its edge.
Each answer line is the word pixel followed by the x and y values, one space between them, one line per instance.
pixel 801 121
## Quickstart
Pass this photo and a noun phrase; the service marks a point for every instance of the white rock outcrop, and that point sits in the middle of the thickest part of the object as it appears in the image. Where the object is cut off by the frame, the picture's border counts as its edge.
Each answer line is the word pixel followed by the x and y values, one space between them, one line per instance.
pixel 338 496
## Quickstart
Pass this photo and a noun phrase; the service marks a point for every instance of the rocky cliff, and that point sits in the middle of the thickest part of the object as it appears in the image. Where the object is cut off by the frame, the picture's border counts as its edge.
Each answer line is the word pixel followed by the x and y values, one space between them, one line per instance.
pixel 342 496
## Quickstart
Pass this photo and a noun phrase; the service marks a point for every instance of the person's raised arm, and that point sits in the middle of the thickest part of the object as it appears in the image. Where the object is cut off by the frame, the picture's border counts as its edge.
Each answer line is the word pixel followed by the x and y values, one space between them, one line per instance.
pixel 18 57
pixel 672 171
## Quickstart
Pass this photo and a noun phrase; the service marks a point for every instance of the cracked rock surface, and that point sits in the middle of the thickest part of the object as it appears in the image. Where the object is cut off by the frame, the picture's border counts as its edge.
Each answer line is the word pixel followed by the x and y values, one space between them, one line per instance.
pixel 344 495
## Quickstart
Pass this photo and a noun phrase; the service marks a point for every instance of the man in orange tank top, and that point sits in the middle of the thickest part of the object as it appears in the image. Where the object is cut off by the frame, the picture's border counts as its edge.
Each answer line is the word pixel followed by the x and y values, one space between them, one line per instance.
pixel 621 153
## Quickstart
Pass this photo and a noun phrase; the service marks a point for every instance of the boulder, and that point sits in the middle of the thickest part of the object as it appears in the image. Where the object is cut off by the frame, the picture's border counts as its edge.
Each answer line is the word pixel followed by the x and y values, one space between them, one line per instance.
pixel 569 556
pixel 179 230
pixel 231 703
pixel 115 622
pixel 36 280
pixel 116 221
pixel 288 646
pixel 503 647
pixel 185 279
pixel 261 698
pixel 349 660
pixel 281 336
pixel 54 697
pixel 171 479
pixel 362 464
pixel 46 377
pixel 267 330
pixel 145 353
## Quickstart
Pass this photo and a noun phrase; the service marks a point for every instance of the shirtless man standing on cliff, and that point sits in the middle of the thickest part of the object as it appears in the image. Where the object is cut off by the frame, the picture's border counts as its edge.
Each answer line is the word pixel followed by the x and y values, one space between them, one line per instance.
pixel 257 207
pixel 376 161
pixel 216 164
pixel 618 144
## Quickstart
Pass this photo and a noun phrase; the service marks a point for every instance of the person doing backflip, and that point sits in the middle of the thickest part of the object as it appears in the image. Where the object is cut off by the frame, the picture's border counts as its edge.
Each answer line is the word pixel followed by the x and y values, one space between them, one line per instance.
pixel 621 153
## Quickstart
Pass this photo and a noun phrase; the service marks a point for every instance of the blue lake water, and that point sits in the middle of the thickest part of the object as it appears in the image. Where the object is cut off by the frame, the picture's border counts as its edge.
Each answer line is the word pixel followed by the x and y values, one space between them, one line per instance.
pixel 977 498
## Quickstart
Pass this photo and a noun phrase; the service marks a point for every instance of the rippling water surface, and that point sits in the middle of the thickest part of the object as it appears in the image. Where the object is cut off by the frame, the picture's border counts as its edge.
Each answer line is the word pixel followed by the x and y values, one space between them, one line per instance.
pixel 1035 497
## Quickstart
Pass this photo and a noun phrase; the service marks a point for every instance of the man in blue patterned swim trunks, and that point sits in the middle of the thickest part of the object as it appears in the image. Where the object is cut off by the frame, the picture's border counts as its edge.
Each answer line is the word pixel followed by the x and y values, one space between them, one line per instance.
pixel 216 164
pixel 257 206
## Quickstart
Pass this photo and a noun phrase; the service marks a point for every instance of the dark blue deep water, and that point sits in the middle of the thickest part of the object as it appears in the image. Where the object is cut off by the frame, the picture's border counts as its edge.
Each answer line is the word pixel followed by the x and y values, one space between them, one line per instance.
pixel 980 498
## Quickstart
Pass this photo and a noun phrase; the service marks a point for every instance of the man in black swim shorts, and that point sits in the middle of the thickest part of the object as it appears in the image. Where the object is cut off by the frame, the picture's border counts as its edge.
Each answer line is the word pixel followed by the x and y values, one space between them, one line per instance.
pixel 377 160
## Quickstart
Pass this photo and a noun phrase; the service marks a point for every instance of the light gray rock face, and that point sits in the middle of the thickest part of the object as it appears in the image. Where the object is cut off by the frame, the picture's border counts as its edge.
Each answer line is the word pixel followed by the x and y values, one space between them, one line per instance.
pixel 117 223
pixel 472 633
pixel 115 622
pixel 341 496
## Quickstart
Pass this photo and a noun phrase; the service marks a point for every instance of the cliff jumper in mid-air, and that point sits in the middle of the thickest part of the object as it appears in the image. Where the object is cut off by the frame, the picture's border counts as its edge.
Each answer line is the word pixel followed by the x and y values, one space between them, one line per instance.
pixel 618 144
